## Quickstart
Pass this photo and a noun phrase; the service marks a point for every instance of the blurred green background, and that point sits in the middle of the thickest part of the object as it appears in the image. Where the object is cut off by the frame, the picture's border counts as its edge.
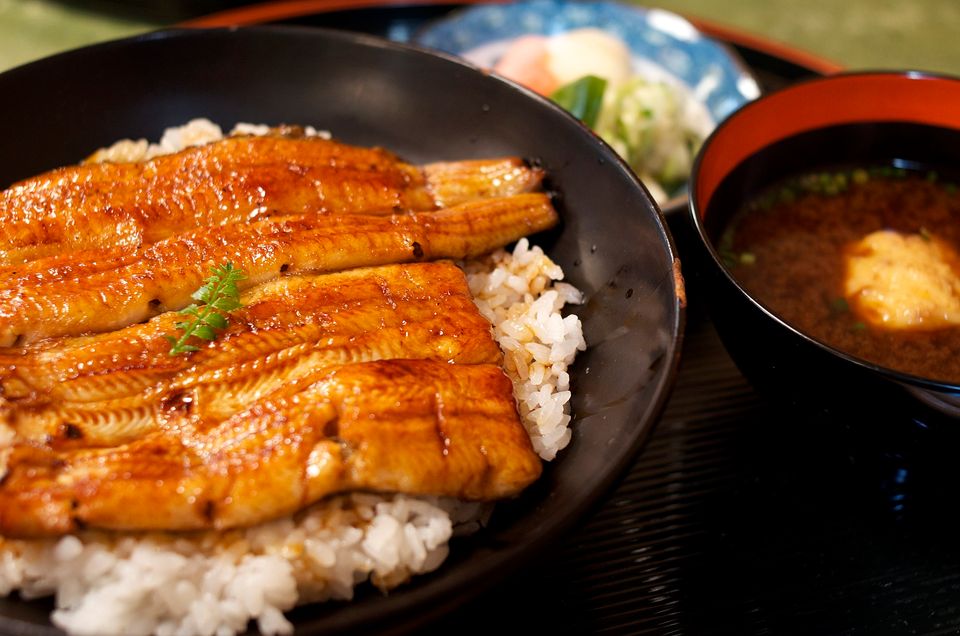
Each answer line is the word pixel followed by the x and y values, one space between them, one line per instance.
pixel 918 34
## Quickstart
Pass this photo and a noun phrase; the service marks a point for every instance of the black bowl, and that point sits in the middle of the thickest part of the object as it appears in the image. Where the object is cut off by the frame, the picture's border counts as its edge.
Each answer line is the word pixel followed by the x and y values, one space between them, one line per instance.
pixel 613 243
pixel 844 120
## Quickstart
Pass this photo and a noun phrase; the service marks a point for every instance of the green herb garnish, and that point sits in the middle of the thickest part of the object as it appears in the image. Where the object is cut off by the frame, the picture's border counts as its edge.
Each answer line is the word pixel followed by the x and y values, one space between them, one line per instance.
pixel 582 98
pixel 218 296
pixel 839 305
pixel 786 195
pixel 729 257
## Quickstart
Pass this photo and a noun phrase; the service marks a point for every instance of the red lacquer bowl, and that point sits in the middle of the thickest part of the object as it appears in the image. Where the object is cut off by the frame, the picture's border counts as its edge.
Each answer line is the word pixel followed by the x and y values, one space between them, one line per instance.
pixel 899 118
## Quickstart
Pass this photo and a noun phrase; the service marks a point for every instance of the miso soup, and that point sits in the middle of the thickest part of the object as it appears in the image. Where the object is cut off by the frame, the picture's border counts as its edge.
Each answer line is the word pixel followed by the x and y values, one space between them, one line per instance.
pixel 866 260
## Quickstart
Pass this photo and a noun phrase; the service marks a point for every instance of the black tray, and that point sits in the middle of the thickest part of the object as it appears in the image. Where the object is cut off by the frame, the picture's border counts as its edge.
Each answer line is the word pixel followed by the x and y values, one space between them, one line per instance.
pixel 739 517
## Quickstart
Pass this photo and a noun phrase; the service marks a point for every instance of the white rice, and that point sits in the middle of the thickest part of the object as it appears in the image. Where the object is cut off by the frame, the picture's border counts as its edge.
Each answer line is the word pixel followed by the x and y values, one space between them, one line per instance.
pixel 215 583
pixel 195 132
pixel 518 295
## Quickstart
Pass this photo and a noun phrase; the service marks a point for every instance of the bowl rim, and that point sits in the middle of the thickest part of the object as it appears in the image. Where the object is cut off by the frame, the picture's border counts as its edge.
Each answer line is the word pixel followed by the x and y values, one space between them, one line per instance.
pixel 455 586
pixel 696 215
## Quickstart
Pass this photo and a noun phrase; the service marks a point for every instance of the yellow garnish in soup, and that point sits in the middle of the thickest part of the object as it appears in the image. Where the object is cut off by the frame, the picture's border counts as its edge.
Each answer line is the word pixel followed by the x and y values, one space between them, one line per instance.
pixel 903 281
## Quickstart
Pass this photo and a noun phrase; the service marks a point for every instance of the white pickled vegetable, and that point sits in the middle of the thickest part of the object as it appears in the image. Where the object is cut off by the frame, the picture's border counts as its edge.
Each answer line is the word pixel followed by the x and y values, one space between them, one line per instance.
pixel 589 51
pixel 656 127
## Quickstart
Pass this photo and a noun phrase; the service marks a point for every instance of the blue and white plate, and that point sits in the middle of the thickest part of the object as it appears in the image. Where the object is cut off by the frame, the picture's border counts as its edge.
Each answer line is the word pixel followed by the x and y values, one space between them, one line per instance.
pixel 664 45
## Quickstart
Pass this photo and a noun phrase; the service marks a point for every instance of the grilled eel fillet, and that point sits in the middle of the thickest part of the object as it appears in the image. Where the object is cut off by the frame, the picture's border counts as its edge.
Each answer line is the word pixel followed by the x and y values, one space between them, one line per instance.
pixel 108 205
pixel 412 426
pixel 71 295
pixel 111 388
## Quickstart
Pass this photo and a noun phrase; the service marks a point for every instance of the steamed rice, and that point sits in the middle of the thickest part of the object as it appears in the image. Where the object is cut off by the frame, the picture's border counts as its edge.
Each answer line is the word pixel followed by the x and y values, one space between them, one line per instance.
pixel 216 582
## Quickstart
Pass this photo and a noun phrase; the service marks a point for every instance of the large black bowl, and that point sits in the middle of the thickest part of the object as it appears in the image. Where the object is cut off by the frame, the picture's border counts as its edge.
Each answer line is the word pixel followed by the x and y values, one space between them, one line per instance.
pixel 854 119
pixel 613 243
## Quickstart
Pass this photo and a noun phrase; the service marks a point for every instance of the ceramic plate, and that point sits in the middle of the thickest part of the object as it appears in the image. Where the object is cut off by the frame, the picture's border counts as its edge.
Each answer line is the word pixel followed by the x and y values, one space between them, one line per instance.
pixel 664 46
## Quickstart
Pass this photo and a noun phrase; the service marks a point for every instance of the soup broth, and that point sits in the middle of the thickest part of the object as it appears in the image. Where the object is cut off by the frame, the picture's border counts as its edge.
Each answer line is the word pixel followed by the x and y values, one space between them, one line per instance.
pixel 805 246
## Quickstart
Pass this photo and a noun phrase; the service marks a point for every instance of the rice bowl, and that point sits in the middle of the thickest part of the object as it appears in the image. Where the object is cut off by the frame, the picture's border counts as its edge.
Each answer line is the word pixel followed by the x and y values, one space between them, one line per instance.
pixel 617 401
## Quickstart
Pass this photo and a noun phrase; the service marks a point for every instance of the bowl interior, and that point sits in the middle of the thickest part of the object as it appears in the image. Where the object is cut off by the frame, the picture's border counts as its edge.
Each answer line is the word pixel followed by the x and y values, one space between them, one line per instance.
pixel 845 121
pixel 612 243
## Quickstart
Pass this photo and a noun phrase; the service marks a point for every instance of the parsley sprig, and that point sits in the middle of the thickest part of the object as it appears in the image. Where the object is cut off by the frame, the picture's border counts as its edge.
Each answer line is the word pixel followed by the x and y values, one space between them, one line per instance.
pixel 217 297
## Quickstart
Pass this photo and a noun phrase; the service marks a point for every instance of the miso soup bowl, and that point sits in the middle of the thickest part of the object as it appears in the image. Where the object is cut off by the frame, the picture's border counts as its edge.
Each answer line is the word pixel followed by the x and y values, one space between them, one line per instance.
pixel 846 119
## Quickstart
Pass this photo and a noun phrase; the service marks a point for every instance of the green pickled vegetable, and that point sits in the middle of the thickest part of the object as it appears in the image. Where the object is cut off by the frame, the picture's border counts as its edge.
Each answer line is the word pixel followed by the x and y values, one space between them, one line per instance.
pixel 582 98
